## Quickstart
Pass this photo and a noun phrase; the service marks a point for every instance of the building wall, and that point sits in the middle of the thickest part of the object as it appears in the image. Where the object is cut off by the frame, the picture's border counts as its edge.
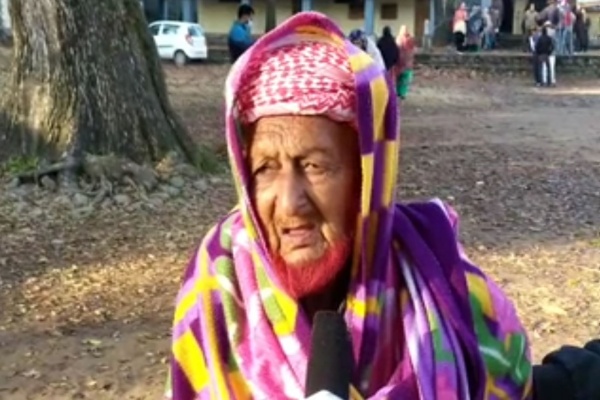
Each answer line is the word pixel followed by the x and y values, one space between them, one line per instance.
pixel 216 16
pixel 4 16
pixel 594 17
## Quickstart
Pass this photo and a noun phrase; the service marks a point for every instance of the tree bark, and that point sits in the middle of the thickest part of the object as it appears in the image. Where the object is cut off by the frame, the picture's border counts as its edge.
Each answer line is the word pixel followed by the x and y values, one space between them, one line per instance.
pixel 86 78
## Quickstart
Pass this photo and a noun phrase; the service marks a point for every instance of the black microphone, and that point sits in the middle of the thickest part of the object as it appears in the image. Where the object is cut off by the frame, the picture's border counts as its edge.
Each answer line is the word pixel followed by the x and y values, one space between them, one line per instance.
pixel 331 362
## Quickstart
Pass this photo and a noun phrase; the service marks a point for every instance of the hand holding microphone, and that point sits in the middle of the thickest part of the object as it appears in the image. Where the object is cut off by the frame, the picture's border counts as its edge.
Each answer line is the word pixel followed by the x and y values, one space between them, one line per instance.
pixel 331 362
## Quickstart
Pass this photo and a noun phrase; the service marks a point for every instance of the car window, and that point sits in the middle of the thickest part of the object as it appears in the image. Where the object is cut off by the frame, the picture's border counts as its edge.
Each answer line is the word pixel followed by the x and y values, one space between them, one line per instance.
pixel 154 29
pixel 195 31
pixel 170 29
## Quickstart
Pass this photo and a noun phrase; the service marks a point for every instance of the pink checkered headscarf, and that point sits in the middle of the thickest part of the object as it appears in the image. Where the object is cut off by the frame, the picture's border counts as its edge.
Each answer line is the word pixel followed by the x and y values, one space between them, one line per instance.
pixel 309 78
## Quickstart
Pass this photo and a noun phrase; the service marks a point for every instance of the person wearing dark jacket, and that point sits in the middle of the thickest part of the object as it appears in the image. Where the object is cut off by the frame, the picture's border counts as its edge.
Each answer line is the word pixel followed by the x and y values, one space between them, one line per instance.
pixel 544 49
pixel 582 23
pixel 240 37
pixel 570 373
pixel 388 48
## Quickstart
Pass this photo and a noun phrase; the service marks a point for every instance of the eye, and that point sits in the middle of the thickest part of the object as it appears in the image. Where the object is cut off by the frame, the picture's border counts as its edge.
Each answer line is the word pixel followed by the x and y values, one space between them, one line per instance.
pixel 312 168
pixel 262 169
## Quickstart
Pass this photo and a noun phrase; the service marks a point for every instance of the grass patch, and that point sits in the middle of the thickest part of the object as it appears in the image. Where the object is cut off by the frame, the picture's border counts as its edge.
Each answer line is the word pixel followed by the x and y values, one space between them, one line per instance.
pixel 209 161
pixel 19 165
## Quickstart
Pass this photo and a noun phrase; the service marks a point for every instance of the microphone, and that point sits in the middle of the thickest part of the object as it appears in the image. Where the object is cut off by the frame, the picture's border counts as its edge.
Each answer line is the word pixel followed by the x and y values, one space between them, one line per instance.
pixel 331 362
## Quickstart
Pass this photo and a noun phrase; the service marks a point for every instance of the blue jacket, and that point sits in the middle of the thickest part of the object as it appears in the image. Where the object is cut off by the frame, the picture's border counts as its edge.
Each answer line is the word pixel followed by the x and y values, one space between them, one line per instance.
pixel 240 39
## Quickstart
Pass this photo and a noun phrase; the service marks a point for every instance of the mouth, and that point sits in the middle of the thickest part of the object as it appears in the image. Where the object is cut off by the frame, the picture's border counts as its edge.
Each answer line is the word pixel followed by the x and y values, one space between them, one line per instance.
pixel 298 236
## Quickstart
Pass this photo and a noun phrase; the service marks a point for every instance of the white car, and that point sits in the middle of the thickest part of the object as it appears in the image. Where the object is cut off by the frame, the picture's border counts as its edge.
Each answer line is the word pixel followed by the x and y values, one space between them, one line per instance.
pixel 179 41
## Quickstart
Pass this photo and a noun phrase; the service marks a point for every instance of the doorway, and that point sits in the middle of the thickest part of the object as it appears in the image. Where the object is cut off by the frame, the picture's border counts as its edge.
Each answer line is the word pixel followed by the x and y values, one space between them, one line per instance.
pixel 508 13
pixel 421 14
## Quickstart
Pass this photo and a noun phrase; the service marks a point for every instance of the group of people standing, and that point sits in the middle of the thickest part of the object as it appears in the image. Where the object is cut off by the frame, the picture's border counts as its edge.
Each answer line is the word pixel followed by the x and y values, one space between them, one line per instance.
pixel 396 54
pixel 568 26
pixel 557 30
pixel 475 29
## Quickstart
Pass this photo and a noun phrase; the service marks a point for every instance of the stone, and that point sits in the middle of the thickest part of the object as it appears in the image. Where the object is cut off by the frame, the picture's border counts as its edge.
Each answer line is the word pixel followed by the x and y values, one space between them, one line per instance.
pixel 201 185
pixel 187 170
pixel 177 181
pixel 122 199
pixel 80 200
pixel 48 183
pixel 62 200
pixel 36 212
pixel 145 176
pixel 173 191
pixel 13 184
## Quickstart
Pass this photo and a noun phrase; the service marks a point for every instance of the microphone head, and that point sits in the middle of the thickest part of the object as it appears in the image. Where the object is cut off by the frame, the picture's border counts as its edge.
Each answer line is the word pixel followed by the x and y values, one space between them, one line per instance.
pixel 331 362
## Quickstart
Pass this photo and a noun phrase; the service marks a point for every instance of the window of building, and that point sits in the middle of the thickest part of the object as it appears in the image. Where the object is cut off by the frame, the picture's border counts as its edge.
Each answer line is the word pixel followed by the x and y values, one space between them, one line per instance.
pixel 389 11
pixel 356 9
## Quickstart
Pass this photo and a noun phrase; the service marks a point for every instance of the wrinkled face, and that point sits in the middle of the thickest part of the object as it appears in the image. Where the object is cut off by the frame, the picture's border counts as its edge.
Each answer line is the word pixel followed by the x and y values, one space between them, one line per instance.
pixel 305 187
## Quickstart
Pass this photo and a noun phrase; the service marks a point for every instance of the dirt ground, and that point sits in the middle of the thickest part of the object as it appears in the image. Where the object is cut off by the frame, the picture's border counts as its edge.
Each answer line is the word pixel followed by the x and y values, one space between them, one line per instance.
pixel 86 302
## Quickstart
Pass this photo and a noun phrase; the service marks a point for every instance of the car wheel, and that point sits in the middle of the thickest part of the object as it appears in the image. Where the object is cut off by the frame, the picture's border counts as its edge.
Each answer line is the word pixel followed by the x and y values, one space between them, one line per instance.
pixel 180 58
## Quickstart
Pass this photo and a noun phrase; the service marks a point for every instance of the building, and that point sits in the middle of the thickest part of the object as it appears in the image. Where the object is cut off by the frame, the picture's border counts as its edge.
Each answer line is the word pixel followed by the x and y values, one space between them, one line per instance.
pixel 372 15
pixel 216 16
pixel 4 17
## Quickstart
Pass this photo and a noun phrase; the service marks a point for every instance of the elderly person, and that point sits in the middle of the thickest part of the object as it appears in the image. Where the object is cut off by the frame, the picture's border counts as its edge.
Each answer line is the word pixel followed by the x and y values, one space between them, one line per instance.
pixel 313 141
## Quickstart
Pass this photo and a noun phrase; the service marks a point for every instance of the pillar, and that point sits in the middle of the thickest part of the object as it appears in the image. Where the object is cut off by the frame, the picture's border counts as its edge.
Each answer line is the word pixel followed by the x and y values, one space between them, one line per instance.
pixel 306 5
pixel 165 9
pixel 187 11
pixel 369 17
pixel 432 21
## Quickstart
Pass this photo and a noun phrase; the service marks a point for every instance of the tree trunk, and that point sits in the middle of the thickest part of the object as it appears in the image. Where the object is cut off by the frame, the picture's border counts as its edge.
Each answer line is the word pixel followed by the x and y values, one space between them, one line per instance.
pixel 87 78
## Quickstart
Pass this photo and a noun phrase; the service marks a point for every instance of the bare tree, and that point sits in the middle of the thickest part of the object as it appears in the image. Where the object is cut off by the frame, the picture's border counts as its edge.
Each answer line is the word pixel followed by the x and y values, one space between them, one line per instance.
pixel 86 78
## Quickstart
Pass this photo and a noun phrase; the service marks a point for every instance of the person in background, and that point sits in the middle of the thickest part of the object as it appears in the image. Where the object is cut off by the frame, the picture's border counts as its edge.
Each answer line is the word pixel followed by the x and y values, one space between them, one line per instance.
pixel 459 27
pixel 544 49
pixel 565 29
pixel 582 25
pixel 406 46
pixel 427 35
pixel 489 30
pixel 388 49
pixel 240 35
pixel 359 38
pixel 530 23
pixel 475 26
pixel 535 59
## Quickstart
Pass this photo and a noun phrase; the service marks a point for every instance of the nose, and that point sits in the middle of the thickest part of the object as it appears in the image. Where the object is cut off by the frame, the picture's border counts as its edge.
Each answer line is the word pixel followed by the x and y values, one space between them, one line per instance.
pixel 292 199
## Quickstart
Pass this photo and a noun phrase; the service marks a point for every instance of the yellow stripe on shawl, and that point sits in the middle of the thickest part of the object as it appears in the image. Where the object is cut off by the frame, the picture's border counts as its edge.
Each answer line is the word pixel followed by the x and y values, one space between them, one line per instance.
pixel 239 386
pixel 289 309
pixel 206 282
pixel 317 31
pixel 355 394
pixel 391 166
pixel 491 390
pixel 250 228
pixel 367 165
pixel 191 359
pixel 363 307
pixel 379 96
pixel 360 61
pixel 219 370
pixel 478 286
pixel 528 389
